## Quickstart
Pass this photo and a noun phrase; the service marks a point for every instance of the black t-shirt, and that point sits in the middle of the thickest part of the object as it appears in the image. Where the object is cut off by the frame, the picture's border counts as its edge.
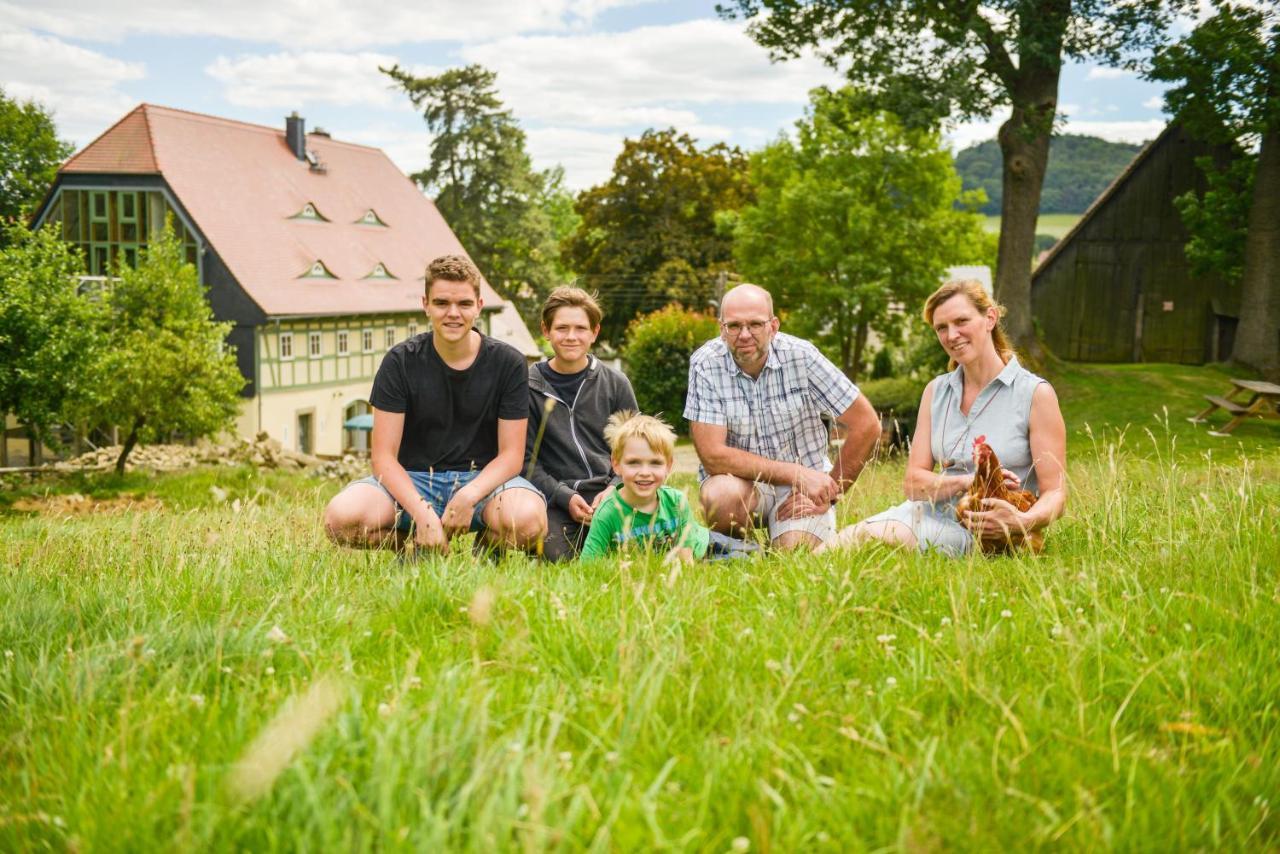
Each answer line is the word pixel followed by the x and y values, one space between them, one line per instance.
pixel 451 417
pixel 564 385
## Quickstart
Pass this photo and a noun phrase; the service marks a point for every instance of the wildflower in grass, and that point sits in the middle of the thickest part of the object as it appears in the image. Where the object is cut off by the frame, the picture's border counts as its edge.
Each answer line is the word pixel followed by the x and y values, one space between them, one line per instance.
pixel 1056 631
pixel 886 638
pixel 1006 613
pixel 740 844
pixel 197 700
pixel 611 758
pixel 773 665
pixel 1186 627
pixel 271 671
pixel 565 759
pixel 8 654
pixel 277 635
pixel 890 681
pixel 946 621
pixel 384 710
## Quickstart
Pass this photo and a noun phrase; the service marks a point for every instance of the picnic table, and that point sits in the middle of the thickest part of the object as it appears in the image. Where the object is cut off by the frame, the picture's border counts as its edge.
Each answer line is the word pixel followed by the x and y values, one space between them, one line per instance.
pixel 1264 403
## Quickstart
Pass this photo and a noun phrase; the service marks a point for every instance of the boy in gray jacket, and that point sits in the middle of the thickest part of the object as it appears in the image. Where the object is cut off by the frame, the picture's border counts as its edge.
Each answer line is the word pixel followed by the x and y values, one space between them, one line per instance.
pixel 571 396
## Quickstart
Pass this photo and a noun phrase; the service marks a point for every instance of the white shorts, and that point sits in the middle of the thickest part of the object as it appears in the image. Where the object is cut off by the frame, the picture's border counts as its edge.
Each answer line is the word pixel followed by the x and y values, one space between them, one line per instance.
pixel 769 498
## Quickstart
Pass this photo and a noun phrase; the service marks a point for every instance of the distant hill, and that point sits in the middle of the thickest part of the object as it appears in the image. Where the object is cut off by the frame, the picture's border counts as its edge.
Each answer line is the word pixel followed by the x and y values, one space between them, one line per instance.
pixel 1080 167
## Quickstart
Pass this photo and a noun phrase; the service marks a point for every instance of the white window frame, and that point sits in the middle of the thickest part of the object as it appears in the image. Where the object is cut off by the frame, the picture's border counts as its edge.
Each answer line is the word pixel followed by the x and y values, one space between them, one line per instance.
pixel 285 342
pixel 344 342
pixel 315 345
pixel 366 340
pixel 413 329
pixel 389 337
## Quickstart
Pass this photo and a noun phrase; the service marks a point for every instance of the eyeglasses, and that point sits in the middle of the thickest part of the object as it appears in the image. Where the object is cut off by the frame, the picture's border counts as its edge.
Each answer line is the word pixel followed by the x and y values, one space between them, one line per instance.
pixel 734 328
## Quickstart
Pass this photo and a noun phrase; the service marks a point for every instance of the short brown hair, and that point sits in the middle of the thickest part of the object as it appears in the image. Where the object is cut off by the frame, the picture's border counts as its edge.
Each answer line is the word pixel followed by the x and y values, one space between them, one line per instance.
pixel 453 268
pixel 569 297
pixel 626 425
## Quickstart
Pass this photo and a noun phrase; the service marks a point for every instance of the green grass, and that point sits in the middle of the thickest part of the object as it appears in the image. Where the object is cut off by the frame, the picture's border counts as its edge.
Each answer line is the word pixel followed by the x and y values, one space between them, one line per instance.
pixel 1056 225
pixel 1119 691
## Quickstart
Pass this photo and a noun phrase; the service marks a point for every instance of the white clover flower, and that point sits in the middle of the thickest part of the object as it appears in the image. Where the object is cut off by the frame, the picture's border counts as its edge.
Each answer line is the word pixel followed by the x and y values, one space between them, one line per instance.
pixel 740 844
pixel 946 621
pixel 886 638
pixel 611 757
pixel 8 653
pixel 1006 613
pixel 890 681
pixel 384 710
pixel 271 671
pixel 197 700
pixel 1056 630
pixel 277 635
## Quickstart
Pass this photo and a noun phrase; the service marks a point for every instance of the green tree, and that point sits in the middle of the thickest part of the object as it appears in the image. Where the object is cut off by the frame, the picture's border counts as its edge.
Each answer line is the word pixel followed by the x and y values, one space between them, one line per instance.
pixel 165 368
pixel 927 60
pixel 484 183
pixel 30 153
pixel 1227 75
pixel 855 215
pixel 648 235
pixel 50 334
pixel 656 356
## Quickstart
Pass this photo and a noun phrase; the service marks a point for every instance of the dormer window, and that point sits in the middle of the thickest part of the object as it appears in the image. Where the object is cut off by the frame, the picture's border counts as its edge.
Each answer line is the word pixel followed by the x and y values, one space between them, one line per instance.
pixel 309 211
pixel 371 218
pixel 317 270
pixel 379 272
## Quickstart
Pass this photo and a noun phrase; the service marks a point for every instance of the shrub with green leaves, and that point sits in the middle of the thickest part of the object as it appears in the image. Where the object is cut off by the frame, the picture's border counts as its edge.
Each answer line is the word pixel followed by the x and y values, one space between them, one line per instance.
pixel 657 358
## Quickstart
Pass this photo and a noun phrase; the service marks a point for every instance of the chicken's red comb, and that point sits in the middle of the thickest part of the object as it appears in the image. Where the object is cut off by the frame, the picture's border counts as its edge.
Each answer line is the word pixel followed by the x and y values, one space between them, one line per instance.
pixel 978 441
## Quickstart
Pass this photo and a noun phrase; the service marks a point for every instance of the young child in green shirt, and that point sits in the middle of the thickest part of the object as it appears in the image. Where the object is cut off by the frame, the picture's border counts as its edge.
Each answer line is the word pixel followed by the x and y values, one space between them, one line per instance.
pixel 642 512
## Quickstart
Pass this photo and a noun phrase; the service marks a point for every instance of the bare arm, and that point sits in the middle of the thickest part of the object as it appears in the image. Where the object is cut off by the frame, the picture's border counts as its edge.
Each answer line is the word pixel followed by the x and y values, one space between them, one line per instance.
pixel 921 482
pixel 862 427
pixel 709 440
pixel 388 430
pixel 1049 455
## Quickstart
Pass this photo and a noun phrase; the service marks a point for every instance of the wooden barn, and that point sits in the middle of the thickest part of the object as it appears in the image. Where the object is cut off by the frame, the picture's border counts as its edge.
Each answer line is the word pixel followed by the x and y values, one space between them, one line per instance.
pixel 1118 288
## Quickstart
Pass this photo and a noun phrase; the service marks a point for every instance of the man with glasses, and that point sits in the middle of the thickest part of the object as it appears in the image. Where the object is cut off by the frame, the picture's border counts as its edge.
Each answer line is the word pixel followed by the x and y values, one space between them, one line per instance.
pixel 755 404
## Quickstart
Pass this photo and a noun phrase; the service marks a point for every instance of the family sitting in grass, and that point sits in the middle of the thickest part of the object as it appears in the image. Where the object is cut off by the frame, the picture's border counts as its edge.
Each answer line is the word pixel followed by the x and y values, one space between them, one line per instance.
pixel 458 418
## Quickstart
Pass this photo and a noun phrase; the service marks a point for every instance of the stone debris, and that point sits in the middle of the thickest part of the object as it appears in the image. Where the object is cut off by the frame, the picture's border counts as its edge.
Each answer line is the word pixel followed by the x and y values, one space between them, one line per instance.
pixel 75 504
pixel 263 452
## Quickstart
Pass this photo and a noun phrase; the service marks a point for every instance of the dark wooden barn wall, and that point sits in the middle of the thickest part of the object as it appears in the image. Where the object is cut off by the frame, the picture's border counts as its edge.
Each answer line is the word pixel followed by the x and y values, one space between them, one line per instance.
pixel 1121 289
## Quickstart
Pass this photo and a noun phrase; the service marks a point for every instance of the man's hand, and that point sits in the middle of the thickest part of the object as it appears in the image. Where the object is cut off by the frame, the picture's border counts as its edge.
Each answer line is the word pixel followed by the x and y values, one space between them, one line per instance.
pixel 580 510
pixel 798 506
pixel 459 511
pixel 427 531
pixel 819 487
pixel 601 496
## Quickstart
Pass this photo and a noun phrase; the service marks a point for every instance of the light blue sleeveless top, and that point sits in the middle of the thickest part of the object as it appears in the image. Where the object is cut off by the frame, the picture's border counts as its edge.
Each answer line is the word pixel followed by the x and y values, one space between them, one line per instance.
pixel 1001 412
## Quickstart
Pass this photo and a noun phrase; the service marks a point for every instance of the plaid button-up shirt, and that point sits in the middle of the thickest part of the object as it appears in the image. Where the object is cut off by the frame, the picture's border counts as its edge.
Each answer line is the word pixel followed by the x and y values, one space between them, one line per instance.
pixel 779 415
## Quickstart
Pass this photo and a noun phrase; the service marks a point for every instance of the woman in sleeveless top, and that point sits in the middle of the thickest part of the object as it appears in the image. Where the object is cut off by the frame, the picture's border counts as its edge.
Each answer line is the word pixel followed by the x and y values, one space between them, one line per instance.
pixel 986 394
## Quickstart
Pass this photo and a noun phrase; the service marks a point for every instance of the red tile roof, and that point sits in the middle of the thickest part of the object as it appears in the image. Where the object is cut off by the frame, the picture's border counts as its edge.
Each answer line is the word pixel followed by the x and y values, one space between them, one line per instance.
pixel 242 186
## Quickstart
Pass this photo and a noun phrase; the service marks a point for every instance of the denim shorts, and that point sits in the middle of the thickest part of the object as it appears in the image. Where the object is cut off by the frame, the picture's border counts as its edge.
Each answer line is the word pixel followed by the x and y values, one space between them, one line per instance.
pixel 437 487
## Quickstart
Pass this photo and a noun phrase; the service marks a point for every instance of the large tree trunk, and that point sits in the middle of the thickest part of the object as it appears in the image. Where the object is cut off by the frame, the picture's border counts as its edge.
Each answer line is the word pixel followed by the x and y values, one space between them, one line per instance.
pixel 1257 341
pixel 1024 144
pixel 129 444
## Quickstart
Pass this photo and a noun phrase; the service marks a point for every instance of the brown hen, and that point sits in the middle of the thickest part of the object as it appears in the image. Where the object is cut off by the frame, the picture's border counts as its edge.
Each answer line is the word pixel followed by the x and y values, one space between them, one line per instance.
pixel 988 482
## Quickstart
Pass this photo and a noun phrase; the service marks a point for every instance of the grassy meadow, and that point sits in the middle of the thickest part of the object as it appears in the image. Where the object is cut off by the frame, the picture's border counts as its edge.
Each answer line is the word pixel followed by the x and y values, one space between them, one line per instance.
pixel 206 672
pixel 1056 225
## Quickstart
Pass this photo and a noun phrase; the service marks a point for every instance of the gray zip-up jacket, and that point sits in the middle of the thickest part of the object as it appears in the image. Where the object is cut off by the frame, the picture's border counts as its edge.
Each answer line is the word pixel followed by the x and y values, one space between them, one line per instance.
pixel 572 455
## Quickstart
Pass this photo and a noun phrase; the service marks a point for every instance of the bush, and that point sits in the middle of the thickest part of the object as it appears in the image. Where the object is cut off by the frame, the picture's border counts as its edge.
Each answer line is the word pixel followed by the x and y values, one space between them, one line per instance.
pixel 657 354
pixel 898 399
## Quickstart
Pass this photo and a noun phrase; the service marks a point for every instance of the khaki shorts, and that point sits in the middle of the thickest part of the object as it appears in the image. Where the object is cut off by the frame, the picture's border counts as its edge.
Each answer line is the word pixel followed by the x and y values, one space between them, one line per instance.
pixel 769 497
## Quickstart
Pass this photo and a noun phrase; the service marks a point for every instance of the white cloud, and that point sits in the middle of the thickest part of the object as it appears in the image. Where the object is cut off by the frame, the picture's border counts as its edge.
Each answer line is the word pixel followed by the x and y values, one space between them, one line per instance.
pixel 76 84
pixel 311 77
pixel 308 23
pixel 962 136
pixel 1100 73
pixel 1155 102
pixel 646 76
pixel 587 156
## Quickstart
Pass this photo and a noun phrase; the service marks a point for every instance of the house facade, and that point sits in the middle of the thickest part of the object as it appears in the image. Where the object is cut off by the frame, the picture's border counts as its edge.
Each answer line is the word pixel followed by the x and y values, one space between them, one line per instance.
pixel 314 249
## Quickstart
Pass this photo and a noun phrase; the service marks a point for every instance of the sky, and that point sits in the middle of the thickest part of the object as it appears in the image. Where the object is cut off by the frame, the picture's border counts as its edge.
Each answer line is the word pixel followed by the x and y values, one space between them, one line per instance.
pixel 579 75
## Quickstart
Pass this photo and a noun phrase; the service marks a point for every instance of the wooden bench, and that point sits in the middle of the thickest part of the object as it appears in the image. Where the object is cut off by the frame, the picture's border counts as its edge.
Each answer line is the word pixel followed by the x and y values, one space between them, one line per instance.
pixel 1218 403
pixel 1263 402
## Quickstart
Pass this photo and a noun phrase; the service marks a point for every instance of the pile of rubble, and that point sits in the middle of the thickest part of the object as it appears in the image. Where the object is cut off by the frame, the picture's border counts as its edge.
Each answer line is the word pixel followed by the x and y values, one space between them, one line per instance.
pixel 346 469
pixel 263 452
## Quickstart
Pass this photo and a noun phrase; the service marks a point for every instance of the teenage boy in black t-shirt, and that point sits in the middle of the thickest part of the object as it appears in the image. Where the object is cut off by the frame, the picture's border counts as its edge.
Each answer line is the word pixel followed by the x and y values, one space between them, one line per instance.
pixel 450 408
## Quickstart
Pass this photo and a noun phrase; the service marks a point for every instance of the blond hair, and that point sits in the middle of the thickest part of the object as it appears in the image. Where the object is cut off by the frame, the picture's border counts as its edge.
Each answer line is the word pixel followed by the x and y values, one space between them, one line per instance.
pixel 976 294
pixel 624 426
pixel 570 297
pixel 453 268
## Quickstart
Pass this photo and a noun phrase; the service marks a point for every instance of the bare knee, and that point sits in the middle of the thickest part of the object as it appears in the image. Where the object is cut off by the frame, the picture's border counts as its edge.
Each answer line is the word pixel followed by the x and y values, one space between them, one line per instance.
pixel 357 515
pixel 727 502
pixel 516 518
pixel 792 540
